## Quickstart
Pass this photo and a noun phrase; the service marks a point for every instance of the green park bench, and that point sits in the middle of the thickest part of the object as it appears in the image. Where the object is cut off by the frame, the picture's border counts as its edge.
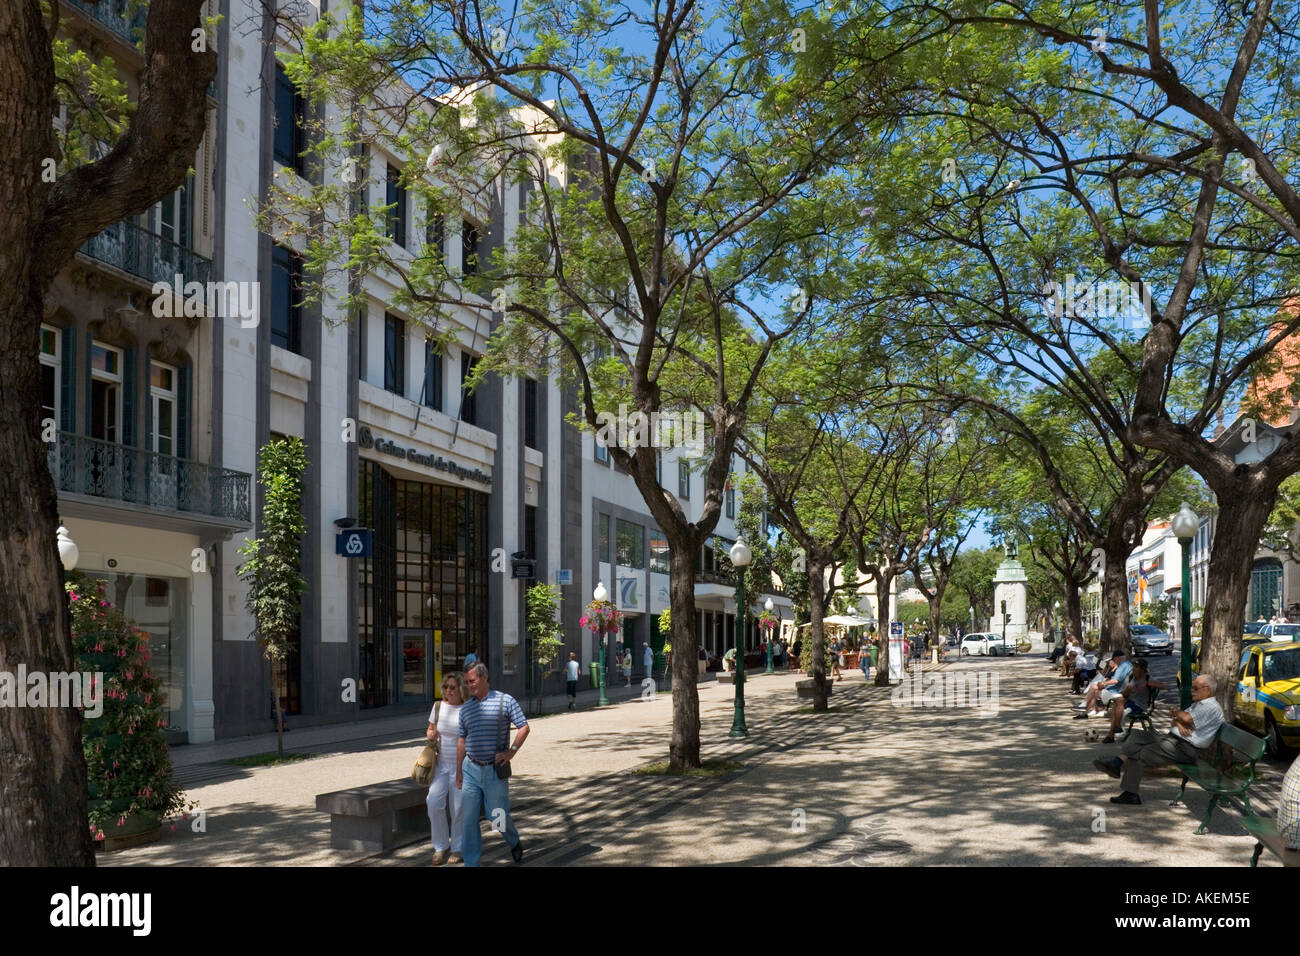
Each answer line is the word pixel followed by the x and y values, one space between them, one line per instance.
pixel 1266 835
pixel 1228 773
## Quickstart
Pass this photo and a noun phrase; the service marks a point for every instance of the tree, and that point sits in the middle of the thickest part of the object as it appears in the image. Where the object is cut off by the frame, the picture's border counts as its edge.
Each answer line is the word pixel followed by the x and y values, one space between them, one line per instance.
pixel 43 795
pixel 273 561
pixel 540 620
pixel 669 191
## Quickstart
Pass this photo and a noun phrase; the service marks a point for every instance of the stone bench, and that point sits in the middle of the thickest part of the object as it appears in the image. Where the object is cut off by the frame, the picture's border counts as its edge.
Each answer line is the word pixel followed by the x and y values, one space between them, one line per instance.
pixel 376 817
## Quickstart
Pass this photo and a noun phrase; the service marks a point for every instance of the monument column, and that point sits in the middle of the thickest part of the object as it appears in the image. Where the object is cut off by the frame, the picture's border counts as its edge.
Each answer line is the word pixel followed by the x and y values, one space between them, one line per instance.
pixel 1010 585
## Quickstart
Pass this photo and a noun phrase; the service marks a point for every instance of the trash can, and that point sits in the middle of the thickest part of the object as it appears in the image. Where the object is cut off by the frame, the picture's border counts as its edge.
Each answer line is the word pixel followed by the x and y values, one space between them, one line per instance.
pixel 595 675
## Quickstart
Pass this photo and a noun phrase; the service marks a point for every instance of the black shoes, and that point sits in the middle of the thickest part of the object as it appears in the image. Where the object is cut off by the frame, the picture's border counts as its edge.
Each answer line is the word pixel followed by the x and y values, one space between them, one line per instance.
pixel 1108 766
pixel 1127 798
pixel 517 851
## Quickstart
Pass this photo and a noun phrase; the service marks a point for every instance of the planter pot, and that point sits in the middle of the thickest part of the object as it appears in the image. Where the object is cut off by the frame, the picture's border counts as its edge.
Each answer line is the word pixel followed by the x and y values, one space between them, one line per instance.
pixel 139 829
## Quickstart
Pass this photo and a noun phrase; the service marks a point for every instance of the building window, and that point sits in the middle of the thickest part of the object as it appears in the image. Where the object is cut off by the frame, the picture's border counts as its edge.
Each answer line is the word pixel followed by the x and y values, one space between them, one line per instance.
pixel 395 197
pixel 394 354
pixel 468 406
pixel 602 543
pixel 530 413
pixel 602 453
pixel 731 499
pixel 658 552
pixel 683 481
pixel 469 263
pixel 51 372
pixel 290 123
pixel 286 299
pixel 432 396
pixel 173 215
pixel 162 398
pixel 630 542
pixel 435 235
pixel 530 532
pixel 105 392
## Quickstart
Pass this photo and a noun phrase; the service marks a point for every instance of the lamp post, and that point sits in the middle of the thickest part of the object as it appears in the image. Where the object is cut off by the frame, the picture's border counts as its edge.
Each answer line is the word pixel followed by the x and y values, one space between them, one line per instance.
pixel 740 557
pixel 600 595
pixel 1184 526
pixel 1056 617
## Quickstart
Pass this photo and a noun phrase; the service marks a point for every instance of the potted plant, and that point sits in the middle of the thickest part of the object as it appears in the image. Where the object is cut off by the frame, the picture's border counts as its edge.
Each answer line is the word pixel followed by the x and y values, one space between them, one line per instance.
pixel 128 765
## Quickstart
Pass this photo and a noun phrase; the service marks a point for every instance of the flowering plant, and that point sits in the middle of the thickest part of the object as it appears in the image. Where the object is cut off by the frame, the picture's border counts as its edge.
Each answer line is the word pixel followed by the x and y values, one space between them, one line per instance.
pixel 128 765
pixel 767 621
pixel 601 617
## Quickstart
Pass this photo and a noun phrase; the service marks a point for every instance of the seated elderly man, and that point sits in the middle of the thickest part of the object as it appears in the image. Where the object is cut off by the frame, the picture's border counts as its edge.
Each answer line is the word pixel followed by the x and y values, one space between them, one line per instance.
pixel 1135 698
pixel 1085 669
pixel 1102 692
pixel 1192 732
pixel 1072 649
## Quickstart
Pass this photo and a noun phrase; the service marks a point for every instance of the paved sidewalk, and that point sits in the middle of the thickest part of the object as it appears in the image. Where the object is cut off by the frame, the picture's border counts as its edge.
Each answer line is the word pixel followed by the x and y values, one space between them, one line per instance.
pixel 869 783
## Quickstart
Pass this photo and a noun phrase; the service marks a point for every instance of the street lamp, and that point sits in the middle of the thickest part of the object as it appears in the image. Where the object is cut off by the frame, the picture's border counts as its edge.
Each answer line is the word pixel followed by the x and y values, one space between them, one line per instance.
pixel 600 596
pixel 740 557
pixel 1185 525
pixel 767 606
pixel 1056 617
pixel 68 551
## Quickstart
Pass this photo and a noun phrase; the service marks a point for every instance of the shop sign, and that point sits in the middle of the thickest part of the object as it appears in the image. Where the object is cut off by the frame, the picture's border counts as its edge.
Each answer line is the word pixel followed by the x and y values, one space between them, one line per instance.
pixel 353 544
pixel 367 439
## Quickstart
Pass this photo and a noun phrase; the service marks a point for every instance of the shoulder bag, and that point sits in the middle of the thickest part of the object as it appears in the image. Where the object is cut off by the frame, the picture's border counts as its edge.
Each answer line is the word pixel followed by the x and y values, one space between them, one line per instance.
pixel 422 771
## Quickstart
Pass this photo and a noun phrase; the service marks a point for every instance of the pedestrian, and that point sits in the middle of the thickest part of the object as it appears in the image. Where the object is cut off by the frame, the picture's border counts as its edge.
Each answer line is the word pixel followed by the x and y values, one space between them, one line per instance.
pixel 572 670
pixel 835 658
pixel 874 652
pixel 797 649
pixel 648 660
pixel 470 659
pixel 864 660
pixel 703 660
pixel 483 766
pixel 444 797
pixel 627 667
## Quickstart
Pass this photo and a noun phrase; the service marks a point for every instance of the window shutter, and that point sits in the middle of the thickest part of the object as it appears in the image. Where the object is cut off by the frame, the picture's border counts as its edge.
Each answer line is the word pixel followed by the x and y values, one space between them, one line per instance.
pixel 128 397
pixel 68 381
pixel 148 403
pixel 90 401
pixel 183 412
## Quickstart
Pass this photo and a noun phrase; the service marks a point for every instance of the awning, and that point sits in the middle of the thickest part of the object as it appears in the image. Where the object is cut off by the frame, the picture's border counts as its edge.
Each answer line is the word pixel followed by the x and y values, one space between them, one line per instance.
pixel 844 620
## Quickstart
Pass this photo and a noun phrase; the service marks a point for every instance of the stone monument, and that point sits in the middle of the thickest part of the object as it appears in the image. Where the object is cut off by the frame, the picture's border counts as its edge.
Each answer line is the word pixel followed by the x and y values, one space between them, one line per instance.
pixel 1009 585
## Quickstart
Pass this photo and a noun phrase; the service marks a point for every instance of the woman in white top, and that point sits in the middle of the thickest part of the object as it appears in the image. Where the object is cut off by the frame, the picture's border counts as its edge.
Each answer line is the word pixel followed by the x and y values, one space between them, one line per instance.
pixel 444 797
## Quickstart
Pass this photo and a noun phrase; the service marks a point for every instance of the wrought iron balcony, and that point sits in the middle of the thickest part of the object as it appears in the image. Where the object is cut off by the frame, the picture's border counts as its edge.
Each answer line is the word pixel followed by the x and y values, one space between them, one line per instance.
pixel 112 14
pixel 126 246
pixel 88 466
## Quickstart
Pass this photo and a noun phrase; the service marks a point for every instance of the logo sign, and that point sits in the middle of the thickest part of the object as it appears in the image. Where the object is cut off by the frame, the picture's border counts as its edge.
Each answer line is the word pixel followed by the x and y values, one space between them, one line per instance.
pixel 353 544
pixel 523 569
pixel 895 628
pixel 564 576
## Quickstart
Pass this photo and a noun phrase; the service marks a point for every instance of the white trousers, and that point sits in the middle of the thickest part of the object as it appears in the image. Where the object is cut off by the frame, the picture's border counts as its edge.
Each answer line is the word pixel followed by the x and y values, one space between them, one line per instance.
pixel 444 797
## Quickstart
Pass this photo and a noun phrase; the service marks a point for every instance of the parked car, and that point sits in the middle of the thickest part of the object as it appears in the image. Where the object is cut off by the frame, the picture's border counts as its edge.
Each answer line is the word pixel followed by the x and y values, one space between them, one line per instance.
pixel 1268 694
pixel 986 644
pixel 1280 632
pixel 1148 639
pixel 1252 627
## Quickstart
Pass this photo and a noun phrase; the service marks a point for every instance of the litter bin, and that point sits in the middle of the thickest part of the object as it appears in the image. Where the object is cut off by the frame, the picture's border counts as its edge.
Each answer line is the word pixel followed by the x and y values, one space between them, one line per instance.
pixel 595 675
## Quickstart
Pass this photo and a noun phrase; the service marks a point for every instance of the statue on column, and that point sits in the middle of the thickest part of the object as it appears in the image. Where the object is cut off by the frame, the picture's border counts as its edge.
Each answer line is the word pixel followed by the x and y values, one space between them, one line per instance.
pixel 1009 545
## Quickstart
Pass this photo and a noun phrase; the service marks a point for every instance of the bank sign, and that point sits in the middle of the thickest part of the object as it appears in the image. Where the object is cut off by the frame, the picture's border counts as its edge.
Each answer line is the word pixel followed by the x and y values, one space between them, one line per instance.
pixel 367 439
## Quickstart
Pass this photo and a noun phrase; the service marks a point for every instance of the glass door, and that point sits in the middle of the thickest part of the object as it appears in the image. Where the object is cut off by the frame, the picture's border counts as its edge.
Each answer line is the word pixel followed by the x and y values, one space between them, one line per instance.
pixel 412 651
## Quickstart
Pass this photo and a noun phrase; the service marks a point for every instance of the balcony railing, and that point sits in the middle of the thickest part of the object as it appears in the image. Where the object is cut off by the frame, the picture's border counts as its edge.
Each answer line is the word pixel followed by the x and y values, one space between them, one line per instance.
pixel 112 14
pixel 147 255
pixel 88 466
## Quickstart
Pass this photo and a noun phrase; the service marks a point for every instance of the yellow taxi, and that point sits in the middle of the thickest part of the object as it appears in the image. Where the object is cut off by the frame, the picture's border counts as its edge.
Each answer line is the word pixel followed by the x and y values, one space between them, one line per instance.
pixel 1268 694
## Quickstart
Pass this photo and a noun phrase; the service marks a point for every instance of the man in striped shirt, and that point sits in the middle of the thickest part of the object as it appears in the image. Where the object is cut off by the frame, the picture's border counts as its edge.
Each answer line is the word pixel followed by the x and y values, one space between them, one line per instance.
pixel 482 745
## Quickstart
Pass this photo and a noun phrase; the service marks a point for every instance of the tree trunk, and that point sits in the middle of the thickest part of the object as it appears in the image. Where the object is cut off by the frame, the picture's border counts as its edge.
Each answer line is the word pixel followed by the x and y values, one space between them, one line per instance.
pixel 279 711
pixel 1114 602
pixel 1073 621
pixel 684 751
pixel 1242 517
pixel 885 580
pixel 817 631
pixel 935 602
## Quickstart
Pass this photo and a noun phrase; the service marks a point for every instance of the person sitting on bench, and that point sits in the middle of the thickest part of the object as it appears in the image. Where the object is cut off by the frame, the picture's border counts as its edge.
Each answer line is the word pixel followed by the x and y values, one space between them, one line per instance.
pixel 1135 699
pixel 1193 731
pixel 1102 692
pixel 1085 669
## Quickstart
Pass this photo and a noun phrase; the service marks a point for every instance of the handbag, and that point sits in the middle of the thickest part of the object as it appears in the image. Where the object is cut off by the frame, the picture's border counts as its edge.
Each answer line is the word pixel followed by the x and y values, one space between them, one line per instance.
pixel 422 770
pixel 503 734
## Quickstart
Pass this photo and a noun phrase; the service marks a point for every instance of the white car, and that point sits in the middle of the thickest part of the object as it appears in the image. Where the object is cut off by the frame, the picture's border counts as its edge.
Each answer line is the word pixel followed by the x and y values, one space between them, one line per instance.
pixel 986 644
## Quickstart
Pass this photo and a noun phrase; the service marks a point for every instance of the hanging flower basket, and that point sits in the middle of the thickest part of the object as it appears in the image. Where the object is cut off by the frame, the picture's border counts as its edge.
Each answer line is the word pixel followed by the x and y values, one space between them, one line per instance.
pixel 601 617
pixel 768 621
